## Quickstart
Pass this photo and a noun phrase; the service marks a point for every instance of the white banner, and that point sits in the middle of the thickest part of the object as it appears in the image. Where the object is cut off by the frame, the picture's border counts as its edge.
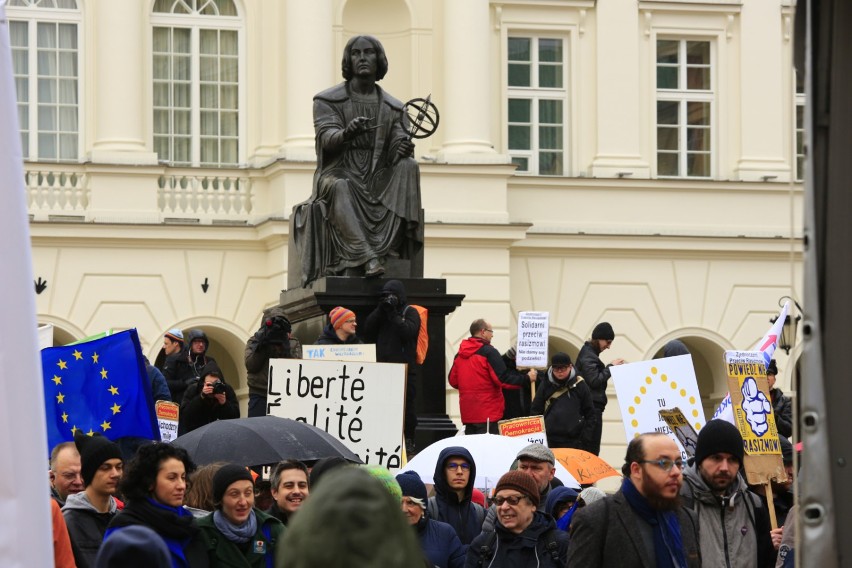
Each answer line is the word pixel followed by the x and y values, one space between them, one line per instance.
pixel 361 404
pixel 167 418
pixel 25 538
pixel 353 352
pixel 45 336
pixel 646 387
pixel 533 329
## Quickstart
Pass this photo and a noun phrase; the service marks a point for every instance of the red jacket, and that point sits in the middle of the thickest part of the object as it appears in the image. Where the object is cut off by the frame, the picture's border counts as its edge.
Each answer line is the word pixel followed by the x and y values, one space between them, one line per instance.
pixel 480 374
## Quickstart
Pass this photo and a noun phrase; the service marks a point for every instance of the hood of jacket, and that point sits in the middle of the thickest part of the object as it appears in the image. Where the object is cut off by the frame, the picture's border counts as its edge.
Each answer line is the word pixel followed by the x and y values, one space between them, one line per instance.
pixel 197 334
pixel 569 382
pixel 674 348
pixel 557 495
pixel 396 288
pixel 702 492
pixel 470 346
pixel 442 488
pixel 81 501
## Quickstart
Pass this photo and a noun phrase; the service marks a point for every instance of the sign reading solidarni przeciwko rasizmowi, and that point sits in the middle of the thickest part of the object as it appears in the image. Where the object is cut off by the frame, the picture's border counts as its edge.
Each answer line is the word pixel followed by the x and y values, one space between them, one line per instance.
pixel 362 404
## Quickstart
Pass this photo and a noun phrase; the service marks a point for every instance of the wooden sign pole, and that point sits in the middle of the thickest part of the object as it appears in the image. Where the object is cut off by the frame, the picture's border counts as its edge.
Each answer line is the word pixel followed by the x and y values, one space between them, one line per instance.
pixel 770 503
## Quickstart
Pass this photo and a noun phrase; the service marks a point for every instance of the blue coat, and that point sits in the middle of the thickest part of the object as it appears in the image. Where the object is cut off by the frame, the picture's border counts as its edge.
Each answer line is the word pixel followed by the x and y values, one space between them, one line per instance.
pixel 440 543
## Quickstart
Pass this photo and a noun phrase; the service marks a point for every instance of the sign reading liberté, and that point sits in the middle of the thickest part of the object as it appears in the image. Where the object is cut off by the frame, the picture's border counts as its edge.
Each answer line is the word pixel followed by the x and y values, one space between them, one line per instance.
pixel 362 404
pixel 645 388
pixel 533 329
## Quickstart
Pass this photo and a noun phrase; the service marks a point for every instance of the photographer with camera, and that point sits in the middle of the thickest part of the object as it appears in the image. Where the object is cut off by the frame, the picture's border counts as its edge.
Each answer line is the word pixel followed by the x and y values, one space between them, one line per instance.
pixel 206 401
pixel 271 341
pixel 393 326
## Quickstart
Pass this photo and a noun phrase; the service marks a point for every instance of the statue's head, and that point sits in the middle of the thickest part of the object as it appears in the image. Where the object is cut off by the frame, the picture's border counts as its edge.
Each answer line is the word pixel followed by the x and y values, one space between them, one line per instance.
pixel 381 58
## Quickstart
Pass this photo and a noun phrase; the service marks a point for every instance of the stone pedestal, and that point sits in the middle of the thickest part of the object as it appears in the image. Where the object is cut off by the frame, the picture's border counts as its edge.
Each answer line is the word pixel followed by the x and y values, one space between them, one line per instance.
pixel 308 308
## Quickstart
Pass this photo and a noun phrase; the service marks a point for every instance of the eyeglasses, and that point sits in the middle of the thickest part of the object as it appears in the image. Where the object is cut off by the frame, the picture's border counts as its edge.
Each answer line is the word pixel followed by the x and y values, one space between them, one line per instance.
pixel 489 330
pixel 454 466
pixel 513 500
pixel 665 464
pixel 352 321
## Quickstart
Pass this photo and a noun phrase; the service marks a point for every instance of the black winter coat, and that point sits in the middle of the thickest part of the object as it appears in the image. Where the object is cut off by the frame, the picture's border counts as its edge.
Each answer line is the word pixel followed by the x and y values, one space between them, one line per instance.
pixel 86 528
pixel 394 331
pixel 197 410
pixel 569 419
pixel 526 550
pixel 592 369
pixel 782 406
pixel 180 372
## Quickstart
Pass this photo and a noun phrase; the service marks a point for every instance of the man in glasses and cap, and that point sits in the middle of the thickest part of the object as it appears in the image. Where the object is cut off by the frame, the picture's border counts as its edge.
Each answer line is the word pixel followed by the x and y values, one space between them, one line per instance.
pixel 455 473
pixel 643 524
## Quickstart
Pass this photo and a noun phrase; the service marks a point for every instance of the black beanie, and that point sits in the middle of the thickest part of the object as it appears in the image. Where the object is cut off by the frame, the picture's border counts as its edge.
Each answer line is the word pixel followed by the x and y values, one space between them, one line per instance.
pixel 719 436
pixel 772 368
pixel 226 475
pixel 412 485
pixel 603 331
pixel 322 467
pixel 94 450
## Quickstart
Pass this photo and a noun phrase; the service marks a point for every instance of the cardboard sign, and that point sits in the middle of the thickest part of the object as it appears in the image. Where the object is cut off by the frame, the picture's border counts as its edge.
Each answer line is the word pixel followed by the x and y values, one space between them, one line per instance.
pixel 361 404
pixel 357 352
pixel 646 387
pixel 686 434
pixel 530 428
pixel 753 416
pixel 533 330
pixel 167 419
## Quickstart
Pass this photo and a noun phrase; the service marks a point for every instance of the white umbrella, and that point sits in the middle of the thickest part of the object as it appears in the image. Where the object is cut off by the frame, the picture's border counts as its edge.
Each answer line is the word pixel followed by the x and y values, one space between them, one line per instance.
pixel 493 456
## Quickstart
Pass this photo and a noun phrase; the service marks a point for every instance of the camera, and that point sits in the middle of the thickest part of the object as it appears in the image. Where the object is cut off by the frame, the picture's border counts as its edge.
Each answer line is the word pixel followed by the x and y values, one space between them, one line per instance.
pixel 218 387
pixel 391 300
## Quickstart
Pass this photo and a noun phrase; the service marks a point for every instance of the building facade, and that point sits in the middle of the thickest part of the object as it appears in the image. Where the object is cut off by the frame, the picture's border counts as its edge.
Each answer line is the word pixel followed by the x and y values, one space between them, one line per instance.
pixel 634 162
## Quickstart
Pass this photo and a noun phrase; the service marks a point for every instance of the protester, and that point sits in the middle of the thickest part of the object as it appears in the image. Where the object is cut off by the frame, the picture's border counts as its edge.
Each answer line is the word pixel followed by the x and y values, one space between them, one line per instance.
pixel 324 466
pixel 597 375
pixel 88 513
pixel 589 495
pixel 237 534
pixel 155 486
pixel 184 367
pixel 523 535
pixel 455 473
pixel 782 405
pixel 565 401
pixel 439 541
pixel 199 496
pixel 394 326
pixel 272 340
pixel 173 342
pixel 642 524
pixel 63 555
pixel 782 494
pixel 561 504
pixel 64 473
pixel 135 546
pixel 479 373
pixel 290 488
pixel 350 520
pixel 341 328
pixel 734 523
pixel 206 401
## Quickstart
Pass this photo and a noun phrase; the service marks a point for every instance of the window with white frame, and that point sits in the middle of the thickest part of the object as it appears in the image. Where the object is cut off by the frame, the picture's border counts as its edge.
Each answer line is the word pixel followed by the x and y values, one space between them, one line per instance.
pixel 196 64
pixel 537 104
pixel 44 38
pixel 800 128
pixel 685 106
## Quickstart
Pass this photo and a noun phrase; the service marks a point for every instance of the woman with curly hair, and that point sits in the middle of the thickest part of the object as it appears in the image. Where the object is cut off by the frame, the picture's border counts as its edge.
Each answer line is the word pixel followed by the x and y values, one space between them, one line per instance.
pixel 154 486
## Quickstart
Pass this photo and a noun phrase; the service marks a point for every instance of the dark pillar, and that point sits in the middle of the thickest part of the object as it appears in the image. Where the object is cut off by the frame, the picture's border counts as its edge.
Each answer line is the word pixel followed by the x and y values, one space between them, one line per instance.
pixel 308 308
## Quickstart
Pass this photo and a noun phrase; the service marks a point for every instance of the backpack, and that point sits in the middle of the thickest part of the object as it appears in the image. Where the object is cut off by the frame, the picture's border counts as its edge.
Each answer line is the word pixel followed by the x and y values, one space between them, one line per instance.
pixel 486 551
pixel 423 334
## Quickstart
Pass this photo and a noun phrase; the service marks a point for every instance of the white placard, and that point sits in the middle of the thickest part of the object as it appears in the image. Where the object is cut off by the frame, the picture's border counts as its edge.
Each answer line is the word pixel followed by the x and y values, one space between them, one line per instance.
pixel 45 336
pixel 361 404
pixel 352 352
pixel 533 329
pixel 167 419
pixel 530 428
pixel 646 387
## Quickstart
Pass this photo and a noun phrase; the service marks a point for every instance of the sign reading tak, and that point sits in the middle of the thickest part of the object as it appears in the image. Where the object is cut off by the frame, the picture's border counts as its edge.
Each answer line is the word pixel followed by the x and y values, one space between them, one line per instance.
pixel 360 403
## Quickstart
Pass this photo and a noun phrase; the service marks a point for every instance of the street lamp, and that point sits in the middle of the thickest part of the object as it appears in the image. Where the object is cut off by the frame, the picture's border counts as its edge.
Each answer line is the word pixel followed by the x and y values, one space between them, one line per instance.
pixel 788 331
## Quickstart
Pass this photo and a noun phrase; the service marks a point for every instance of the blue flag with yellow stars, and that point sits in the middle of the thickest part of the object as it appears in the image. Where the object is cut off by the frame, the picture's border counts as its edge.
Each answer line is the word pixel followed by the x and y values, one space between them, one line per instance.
pixel 98 386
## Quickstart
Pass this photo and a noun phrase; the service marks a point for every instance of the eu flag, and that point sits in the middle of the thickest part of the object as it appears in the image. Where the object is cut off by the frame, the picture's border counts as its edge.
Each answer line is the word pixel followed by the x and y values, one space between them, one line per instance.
pixel 98 386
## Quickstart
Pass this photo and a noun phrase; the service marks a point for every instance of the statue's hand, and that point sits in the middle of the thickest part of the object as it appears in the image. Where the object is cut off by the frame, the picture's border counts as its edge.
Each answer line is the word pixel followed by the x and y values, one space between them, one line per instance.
pixel 405 149
pixel 356 127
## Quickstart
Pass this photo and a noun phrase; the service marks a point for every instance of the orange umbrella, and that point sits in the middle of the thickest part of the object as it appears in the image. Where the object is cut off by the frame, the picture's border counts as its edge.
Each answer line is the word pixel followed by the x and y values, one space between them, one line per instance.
pixel 584 466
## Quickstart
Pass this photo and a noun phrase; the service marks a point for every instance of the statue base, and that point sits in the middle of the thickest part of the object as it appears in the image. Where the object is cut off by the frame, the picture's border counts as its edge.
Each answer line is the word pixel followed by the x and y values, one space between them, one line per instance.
pixel 308 309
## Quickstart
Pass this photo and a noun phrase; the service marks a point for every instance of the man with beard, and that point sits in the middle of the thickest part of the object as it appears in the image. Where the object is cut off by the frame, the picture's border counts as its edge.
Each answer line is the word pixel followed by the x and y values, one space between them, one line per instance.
pixel 643 524
pixel 734 523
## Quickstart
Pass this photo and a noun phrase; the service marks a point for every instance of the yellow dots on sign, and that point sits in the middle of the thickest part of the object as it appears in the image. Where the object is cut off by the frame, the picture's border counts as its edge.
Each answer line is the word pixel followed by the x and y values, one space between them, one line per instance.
pixel 653 370
pixel 637 400
pixel 697 426
pixel 643 390
pixel 648 380
pixel 692 400
pixel 631 409
pixel 636 435
pixel 664 378
pixel 695 414
pixel 634 423
pixel 674 385
pixel 682 392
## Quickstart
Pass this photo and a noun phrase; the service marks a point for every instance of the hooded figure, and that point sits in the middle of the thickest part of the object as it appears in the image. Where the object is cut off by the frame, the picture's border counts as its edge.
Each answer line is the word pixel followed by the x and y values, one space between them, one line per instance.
pixel 185 367
pixel 565 400
pixel 461 513
pixel 350 520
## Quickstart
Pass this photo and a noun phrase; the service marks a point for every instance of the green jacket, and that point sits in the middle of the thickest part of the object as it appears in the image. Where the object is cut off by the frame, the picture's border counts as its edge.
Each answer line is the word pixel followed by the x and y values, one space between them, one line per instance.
pixel 227 554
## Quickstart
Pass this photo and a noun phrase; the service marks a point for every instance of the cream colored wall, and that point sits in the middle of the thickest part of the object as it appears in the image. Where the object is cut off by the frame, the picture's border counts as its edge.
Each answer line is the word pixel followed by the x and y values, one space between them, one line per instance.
pixel 702 260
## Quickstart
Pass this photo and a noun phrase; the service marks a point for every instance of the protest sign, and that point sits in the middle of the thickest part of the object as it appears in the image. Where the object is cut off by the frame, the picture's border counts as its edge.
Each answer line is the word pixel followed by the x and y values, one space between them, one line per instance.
pixel 533 330
pixel 677 423
pixel 352 352
pixel 646 387
pixel 167 419
pixel 360 403
pixel 753 416
pixel 530 428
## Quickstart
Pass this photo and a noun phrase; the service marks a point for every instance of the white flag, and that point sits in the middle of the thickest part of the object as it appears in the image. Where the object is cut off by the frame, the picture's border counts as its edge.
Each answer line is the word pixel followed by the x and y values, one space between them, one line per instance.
pixel 767 345
pixel 25 526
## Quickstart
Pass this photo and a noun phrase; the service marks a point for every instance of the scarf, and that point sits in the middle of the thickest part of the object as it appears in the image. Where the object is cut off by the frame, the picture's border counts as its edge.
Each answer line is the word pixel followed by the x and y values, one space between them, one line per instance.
pixel 175 525
pixel 564 522
pixel 240 534
pixel 668 546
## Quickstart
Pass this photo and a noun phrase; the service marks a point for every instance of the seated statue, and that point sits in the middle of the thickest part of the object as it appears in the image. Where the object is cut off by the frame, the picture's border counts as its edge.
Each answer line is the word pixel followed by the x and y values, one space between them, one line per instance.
pixel 365 204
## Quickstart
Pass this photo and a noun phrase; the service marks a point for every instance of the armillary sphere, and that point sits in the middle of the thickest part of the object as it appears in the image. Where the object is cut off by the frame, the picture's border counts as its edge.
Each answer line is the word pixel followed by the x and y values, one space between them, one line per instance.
pixel 423 117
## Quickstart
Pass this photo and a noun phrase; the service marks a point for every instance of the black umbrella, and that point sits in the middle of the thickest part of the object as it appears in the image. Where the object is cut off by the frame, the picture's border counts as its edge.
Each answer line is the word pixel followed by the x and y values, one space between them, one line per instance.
pixel 261 441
